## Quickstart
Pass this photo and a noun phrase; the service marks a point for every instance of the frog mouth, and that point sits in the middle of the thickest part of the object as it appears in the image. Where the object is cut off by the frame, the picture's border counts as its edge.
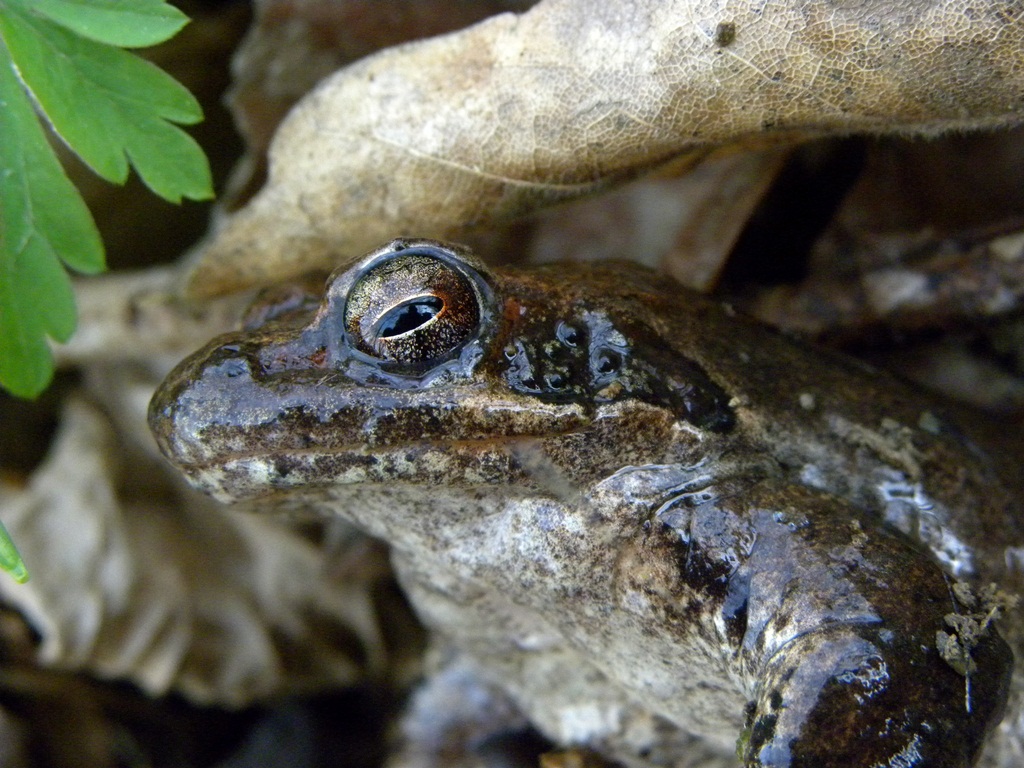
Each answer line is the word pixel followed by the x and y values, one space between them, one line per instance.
pixel 286 465
pixel 466 463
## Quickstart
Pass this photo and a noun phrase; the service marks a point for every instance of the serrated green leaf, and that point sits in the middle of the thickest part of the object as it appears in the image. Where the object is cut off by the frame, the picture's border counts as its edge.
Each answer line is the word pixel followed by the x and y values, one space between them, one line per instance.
pixel 108 105
pixel 10 559
pixel 128 23
pixel 43 221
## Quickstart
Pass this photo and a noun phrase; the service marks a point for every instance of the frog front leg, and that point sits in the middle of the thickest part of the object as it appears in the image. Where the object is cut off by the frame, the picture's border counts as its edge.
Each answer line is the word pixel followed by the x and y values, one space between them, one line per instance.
pixel 855 695
pixel 827 622
pixel 841 618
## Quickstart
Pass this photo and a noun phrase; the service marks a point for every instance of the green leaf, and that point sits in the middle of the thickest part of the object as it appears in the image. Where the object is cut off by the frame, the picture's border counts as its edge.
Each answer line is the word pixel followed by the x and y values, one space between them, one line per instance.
pixel 109 106
pixel 42 222
pixel 10 560
pixel 128 23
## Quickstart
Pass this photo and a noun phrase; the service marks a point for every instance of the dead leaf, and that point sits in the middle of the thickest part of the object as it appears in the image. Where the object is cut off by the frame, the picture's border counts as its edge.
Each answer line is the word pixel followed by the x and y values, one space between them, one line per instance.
pixel 141 317
pixel 521 111
pixel 920 269
pixel 292 44
pixel 944 283
pixel 177 594
pixel 684 226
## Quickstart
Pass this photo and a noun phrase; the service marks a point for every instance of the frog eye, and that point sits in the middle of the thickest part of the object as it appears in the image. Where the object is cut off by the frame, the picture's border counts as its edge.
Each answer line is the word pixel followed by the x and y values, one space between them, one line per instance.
pixel 412 308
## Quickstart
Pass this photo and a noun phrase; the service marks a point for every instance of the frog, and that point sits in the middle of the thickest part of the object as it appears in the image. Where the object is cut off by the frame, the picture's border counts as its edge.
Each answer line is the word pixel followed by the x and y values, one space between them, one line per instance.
pixel 646 522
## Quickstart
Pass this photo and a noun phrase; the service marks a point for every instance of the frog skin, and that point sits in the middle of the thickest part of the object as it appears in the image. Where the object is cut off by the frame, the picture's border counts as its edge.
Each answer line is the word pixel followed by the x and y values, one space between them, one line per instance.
pixel 616 496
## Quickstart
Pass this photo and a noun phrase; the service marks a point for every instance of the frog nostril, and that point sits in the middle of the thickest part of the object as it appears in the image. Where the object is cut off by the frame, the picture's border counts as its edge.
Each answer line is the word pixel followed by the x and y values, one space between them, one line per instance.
pixel 231 367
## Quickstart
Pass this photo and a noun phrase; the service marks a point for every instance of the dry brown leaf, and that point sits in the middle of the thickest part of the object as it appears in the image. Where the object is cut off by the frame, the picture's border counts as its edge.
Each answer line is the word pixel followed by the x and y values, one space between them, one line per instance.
pixel 176 594
pixel 292 44
pixel 141 317
pixel 684 226
pixel 520 111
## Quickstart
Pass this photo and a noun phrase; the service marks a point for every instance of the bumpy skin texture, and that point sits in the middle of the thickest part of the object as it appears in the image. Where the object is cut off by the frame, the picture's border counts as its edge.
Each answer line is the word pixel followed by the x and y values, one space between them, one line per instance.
pixel 619 499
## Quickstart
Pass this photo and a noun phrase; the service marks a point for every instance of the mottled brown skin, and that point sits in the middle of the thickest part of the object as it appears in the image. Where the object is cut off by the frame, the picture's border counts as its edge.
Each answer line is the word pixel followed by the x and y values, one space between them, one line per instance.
pixel 593 476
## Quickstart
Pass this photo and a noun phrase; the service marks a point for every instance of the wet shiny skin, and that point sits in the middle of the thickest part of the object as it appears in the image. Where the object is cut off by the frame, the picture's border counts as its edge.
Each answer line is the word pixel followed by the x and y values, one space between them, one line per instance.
pixel 590 475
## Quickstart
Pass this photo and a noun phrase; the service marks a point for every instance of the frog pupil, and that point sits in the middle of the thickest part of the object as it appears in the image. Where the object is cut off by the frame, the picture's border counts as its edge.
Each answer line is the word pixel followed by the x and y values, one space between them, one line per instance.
pixel 409 316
